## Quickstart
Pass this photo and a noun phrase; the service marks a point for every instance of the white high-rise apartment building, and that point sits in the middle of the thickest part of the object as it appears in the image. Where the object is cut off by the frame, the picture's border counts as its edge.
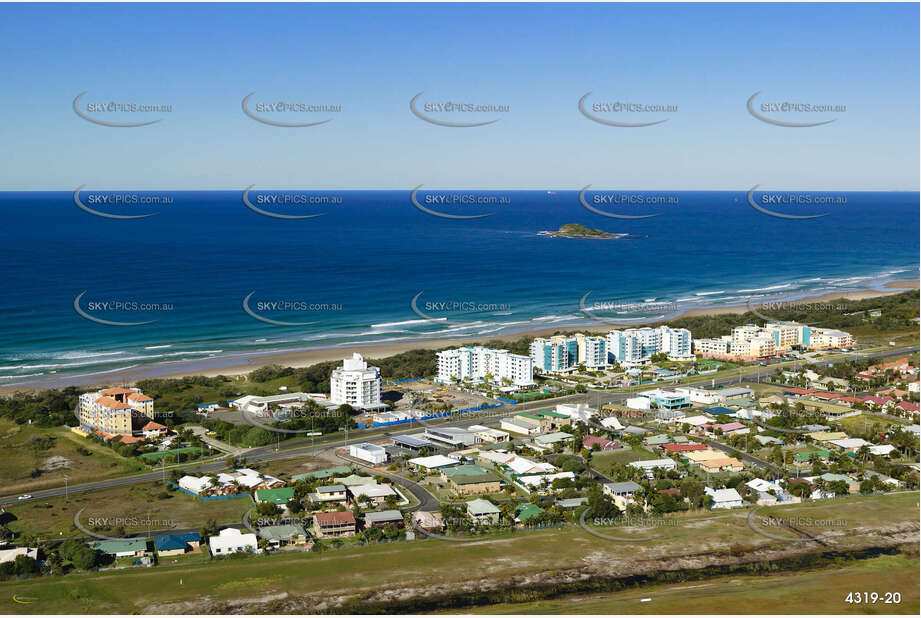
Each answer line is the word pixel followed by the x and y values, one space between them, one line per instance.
pixel 356 384
pixel 637 345
pixel 477 363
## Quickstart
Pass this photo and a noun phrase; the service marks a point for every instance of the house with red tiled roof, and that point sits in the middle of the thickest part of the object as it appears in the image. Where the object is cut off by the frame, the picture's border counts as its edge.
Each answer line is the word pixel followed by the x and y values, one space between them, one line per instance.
pixel 684 447
pixel 907 406
pixel 603 443
pixel 333 524
pixel 154 430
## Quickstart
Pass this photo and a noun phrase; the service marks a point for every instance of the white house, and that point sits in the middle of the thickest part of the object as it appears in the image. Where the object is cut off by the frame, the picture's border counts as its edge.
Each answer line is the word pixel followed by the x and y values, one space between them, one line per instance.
pixel 724 498
pixel 232 541
pixel 371 453
pixel 650 465
pixel 638 403
pixel 577 411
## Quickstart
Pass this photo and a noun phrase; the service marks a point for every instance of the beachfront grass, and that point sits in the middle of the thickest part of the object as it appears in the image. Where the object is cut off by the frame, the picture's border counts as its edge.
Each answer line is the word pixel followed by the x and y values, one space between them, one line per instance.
pixel 54 517
pixel 819 591
pixel 353 570
pixel 28 465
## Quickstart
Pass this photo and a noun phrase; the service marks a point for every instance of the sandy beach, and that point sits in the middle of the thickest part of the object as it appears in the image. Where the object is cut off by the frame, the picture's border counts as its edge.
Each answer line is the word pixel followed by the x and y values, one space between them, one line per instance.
pixel 305 358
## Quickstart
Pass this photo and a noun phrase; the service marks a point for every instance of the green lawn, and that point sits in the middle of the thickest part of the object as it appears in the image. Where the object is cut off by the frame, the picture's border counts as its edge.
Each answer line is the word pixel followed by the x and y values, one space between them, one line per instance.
pixel 820 591
pixel 360 570
pixel 54 517
pixel 28 467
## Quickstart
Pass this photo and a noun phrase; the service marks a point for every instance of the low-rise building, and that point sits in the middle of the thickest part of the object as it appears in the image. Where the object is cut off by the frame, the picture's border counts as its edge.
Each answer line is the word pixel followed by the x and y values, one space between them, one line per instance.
pixel 483 512
pixel 177 544
pixel 123 548
pixel 649 466
pixel 333 524
pixel 232 541
pixel 724 498
pixel 381 519
pixel 371 453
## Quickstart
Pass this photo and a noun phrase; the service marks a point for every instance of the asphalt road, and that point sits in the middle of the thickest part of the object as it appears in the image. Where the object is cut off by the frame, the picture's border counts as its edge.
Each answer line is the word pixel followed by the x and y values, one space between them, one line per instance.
pixel 268 453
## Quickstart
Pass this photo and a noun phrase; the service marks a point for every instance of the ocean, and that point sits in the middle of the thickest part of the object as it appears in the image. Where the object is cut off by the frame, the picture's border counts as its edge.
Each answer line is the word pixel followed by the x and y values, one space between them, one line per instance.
pixel 350 276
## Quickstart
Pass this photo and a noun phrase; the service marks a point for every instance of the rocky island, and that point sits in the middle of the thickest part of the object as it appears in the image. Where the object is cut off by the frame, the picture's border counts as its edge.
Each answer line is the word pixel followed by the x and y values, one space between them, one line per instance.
pixel 575 230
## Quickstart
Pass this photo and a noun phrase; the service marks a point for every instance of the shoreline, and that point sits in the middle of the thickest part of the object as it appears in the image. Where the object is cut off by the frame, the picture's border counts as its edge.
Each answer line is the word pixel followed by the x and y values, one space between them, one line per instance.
pixel 228 366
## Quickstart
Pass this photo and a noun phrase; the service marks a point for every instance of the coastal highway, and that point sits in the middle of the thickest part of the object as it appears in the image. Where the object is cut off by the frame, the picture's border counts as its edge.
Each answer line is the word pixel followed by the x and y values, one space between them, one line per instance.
pixel 293 448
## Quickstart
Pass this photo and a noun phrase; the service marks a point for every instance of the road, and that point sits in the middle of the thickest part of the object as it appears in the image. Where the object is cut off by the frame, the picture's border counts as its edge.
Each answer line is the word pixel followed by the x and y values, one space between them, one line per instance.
pixel 293 448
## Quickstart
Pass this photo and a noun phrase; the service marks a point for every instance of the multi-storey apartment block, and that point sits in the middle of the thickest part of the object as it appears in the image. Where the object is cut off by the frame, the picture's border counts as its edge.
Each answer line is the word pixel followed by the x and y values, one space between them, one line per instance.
pixel 356 383
pixel 115 410
pixel 479 363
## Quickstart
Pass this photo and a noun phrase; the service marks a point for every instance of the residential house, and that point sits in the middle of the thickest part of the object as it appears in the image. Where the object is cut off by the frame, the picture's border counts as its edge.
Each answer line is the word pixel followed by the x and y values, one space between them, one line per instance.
pixel 284 534
pixel 381 519
pixel 333 524
pixel 124 548
pixel 232 541
pixel 483 512
pixel 177 544
pixel 724 498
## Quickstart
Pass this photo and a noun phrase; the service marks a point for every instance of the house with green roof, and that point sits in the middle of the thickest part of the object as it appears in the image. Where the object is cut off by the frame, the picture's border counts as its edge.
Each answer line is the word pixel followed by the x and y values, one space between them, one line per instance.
pixel 806 456
pixel 658 440
pixel 483 512
pixel 284 534
pixel 524 512
pixel 124 548
pixel 463 470
pixel 549 440
pixel 279 495
pixel 322 474
pixel 354 479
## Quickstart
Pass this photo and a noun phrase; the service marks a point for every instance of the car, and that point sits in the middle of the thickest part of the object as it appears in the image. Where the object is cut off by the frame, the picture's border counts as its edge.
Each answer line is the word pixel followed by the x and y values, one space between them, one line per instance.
pixel 24 497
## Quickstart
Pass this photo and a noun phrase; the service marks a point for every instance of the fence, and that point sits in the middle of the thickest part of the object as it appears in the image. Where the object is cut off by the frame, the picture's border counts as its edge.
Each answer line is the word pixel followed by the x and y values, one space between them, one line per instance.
pixel 195 495
pixel 426 418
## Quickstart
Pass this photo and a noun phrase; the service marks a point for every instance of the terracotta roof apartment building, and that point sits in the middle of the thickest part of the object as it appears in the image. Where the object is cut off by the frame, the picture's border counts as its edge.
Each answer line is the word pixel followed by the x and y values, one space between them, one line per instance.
pixel 120 411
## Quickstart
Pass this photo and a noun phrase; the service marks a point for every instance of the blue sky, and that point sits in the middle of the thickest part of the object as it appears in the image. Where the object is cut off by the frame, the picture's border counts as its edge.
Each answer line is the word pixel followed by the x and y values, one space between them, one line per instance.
pixel 538 59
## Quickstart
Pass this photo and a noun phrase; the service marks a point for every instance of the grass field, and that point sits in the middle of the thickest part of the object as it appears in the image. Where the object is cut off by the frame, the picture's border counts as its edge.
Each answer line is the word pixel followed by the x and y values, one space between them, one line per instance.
pixel 54 517
pixel 603 461
pixel 868 423
pixel 422 563
pixel 81 460
pixel 821 591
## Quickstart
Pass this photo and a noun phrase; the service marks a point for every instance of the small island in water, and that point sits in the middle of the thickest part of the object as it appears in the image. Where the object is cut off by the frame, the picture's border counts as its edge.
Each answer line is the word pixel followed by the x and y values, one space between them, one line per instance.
pixel 575 230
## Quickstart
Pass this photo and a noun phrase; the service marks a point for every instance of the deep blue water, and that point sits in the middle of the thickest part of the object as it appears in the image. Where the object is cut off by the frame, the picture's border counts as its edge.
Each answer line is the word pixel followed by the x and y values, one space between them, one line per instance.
pixel 373 253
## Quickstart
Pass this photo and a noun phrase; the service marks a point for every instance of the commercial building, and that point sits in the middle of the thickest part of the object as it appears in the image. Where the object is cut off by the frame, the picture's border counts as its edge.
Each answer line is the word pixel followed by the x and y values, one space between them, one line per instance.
pixel 371 453
pixel 356 383
pixel 120 411
pixel 450 436
pixel 282 405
